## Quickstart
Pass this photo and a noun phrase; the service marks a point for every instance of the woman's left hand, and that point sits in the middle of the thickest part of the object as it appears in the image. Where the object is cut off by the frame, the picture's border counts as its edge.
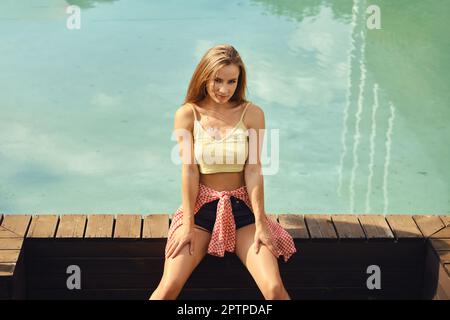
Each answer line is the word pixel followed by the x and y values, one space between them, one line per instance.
pixel 263 237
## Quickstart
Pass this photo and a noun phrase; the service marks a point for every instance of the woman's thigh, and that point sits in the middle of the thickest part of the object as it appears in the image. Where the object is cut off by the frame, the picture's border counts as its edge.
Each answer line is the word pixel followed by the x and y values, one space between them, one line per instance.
pixel 180 268
pixel 262 266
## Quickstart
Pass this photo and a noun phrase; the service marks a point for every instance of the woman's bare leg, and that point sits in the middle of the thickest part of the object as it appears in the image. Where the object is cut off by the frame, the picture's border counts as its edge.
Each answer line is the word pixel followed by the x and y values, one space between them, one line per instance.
pixel 262 266
pixel 178 269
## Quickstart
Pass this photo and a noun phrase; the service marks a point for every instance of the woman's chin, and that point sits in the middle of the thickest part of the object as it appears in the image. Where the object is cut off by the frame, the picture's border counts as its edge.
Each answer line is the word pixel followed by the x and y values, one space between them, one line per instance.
pixel 222 100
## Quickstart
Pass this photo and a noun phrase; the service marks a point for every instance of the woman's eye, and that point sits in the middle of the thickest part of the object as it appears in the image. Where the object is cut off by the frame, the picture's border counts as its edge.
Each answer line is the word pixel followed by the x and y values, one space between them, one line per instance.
pixel 220 80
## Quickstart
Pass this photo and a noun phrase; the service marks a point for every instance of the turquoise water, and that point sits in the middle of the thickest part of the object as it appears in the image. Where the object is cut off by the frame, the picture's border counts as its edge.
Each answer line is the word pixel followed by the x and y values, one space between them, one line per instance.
pixel 363 115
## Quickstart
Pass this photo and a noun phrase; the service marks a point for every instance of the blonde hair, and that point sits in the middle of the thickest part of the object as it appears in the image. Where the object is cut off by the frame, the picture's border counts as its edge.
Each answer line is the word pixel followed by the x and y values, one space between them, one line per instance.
pixel 215 58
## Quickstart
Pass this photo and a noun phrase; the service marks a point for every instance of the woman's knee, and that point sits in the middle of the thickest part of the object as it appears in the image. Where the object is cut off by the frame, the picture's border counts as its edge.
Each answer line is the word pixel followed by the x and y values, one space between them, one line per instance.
pixel 275 291
pixel 169 289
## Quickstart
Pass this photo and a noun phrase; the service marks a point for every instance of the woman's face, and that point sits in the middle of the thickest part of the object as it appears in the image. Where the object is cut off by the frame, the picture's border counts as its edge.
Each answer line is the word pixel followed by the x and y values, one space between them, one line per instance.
pixel 222 87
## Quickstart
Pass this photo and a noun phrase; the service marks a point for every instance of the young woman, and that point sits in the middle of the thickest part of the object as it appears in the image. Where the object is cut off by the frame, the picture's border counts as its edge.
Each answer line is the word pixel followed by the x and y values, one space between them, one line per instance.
pixel 222 184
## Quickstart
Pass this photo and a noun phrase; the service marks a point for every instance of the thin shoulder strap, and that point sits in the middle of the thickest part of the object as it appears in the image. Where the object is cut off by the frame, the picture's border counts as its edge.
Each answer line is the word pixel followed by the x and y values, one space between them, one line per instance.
pixel 193 110
pixel 245 109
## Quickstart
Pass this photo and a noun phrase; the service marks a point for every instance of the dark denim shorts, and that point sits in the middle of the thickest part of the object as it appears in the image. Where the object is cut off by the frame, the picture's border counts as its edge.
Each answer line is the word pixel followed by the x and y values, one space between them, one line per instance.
pixel 206 215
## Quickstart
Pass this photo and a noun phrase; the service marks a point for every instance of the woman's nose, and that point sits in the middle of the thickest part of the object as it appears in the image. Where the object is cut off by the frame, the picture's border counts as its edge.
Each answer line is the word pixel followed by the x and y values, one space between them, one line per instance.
pixel 222 89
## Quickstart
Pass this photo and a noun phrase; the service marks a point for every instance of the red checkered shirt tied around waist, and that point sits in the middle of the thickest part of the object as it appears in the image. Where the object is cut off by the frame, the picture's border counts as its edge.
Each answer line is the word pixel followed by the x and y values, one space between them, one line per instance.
pixel 223 236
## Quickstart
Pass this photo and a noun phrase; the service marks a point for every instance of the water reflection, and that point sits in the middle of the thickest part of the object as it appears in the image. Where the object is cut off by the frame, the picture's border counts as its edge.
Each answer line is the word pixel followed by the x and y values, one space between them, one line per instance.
pixel 86 4
pixel 401 66
pixel 356 130
pixel 358 51
pixel 299 10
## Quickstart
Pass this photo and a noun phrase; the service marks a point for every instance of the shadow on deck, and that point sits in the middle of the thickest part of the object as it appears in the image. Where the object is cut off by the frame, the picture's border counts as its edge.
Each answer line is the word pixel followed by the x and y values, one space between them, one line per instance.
pixel 121 257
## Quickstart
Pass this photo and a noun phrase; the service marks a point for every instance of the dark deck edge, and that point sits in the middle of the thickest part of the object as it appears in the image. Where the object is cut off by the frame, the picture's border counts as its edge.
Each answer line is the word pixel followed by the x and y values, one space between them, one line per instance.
pixel 13 284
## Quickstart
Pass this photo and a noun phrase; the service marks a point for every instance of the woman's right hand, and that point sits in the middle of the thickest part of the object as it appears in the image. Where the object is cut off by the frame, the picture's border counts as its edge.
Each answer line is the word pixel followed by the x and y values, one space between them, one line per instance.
pixel 185 236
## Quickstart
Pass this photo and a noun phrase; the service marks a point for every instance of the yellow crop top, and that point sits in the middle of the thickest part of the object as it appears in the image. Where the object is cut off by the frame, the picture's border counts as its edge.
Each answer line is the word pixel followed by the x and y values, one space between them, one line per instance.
pixel 228 154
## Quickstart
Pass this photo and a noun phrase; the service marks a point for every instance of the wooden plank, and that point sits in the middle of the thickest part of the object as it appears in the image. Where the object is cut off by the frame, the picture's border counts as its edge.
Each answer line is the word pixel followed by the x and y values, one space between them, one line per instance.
pixel 96 281
pixel 128 226
pixel 85 294
pixel 352 254
pixel 95 248
pixel 99 226
pixel 447 268
pixel 115 294
pixel 237 279
pixel 6 234
pixel 223 294
pixel 444 281
pixel 9 256
pixel 444 256
pixel 337 278
pixel 43 226
pixel 18 284
pixel 348 227
pixel 440 244
pixel 146 266
pixel 11 243
pixel 312 253
pixel 320 226
pixel 7 269
pixel 441 293
pixel 17 223
pixel 442 234
pixel 430 272
pixel 294 224
pixel 428 225
pixel 375 226
pixel 445 219
pixel 71 226
pixel 155 226
pixel 403 226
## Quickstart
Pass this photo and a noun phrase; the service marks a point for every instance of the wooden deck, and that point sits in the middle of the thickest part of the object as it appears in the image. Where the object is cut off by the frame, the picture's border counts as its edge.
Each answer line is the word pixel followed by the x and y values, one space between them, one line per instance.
pixel 121 257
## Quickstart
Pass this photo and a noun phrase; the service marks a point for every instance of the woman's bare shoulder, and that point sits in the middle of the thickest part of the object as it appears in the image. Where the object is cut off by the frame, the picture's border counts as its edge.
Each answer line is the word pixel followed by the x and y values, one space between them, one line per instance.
pixel 254 117
pixel 254 108
pixel 184 116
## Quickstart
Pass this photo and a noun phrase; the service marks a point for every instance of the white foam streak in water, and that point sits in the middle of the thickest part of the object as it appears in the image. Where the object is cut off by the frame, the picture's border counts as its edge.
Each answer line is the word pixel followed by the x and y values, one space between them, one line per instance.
pixel 372 146
pixel 387 158
pixel 357 135
pixel 348 99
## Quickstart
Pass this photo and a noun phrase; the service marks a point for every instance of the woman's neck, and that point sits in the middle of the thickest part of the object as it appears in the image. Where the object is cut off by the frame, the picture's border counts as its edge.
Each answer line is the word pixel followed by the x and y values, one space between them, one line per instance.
pixel 209 103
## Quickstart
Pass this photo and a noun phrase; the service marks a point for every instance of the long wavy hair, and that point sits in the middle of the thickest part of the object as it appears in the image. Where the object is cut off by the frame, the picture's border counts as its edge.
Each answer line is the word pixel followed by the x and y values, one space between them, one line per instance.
pixel 215 58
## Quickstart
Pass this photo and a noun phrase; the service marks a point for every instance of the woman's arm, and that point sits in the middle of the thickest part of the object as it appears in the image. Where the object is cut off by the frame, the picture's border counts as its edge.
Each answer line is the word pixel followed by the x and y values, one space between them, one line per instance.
pixel 253 172
pixel 254 180
pixel 183 124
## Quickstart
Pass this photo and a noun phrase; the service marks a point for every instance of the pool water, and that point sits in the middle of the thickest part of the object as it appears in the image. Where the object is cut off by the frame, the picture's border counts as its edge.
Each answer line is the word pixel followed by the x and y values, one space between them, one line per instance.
pixel 363 114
